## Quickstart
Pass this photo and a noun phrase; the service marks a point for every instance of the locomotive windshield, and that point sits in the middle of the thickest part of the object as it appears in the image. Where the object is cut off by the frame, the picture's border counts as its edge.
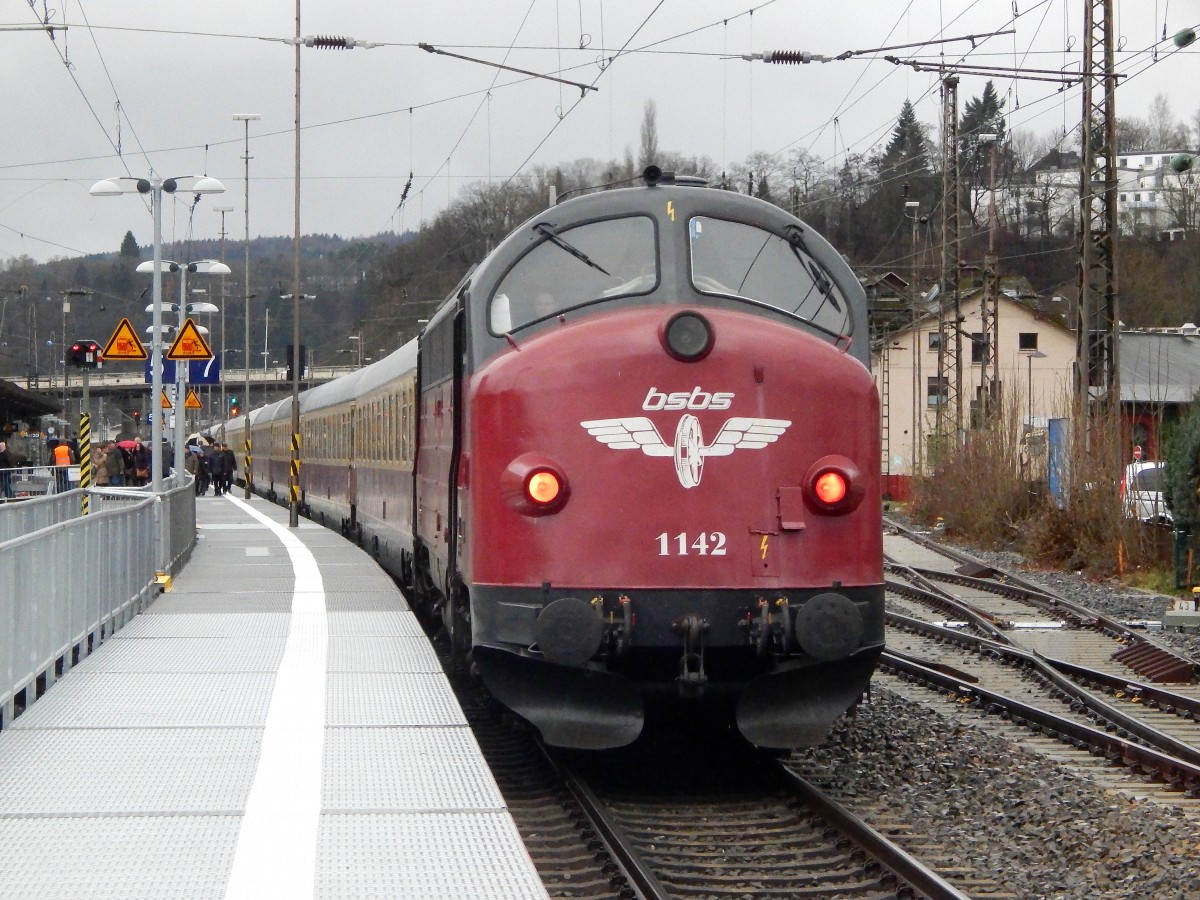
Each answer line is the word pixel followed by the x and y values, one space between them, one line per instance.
pixel 737 260
pixel 609 258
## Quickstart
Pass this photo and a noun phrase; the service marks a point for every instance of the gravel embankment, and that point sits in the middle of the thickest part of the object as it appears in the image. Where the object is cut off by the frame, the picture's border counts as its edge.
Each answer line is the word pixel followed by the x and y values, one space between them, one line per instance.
pixel 1042 831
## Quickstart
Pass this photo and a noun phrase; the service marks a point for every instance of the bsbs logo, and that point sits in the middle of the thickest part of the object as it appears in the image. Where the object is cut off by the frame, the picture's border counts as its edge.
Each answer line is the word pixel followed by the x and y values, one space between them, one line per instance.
pixel 697 399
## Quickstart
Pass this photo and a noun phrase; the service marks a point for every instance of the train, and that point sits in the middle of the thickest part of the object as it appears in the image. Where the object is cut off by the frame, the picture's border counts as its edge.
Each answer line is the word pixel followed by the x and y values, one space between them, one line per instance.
pixel 631 465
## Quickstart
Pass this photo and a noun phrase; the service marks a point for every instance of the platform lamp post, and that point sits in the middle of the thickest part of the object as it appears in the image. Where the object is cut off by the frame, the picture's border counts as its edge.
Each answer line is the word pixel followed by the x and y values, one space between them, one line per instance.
pixel 185 309
pixel 1031 356
pixel 156 187
pixel 248 475
pixel 222 210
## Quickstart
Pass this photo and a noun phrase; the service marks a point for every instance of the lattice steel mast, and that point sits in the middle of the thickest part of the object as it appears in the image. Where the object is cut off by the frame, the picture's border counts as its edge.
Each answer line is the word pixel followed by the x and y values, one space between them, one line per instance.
pixel 1096 372
pixel 949 313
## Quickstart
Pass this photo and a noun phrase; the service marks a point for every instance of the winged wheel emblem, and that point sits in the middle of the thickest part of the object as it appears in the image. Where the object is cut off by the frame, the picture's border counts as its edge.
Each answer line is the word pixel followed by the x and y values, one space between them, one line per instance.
pixel 689 450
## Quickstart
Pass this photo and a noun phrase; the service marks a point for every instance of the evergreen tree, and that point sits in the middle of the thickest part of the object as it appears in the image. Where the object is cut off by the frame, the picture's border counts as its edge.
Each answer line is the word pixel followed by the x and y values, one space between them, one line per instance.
pixel 129 246
pixel 1183 467
pixel 982 115
pixel 907 153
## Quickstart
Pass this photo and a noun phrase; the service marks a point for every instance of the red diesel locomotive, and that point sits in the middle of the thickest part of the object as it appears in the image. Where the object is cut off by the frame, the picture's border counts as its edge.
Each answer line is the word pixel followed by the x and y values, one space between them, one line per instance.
pixel 632 460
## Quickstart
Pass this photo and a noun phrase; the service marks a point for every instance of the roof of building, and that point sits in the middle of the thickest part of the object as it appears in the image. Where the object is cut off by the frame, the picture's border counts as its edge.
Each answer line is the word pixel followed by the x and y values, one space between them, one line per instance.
pixel 18 403
pixel 1160 366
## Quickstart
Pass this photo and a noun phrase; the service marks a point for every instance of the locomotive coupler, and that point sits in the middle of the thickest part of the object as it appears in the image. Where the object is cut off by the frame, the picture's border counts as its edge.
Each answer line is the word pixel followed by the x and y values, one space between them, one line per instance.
pixel 771 631
pixel 691 678
pixel 622 627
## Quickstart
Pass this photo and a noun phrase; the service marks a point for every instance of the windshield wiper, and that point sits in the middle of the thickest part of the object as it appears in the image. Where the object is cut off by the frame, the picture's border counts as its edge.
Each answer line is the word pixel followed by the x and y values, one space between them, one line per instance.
pixel 552 236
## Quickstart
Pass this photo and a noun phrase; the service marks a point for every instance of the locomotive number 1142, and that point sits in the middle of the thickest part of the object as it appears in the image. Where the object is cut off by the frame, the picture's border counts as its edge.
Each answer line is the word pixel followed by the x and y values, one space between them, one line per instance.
pixel 706 543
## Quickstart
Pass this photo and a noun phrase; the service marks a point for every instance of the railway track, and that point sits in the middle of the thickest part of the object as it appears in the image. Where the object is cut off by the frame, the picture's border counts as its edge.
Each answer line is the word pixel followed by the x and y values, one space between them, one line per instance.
pixel 662 821
pixel 1043 661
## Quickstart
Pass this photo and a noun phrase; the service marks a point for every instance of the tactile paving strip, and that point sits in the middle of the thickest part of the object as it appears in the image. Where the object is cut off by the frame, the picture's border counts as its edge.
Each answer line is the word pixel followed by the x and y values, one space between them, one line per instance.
pixel 186 655
pixel 368 653
pixel 185 857
pixel 128 771
pixel 406 769
pixel 433 856
pixel 337 601
pixel 206 602
pixel 141 700
pixel 219 625
pixel 384 624
pixel 412 700
pixel 218 582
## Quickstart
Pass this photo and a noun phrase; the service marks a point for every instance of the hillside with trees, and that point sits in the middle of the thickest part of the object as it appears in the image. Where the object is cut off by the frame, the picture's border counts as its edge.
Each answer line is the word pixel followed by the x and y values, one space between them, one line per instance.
pixel 381 287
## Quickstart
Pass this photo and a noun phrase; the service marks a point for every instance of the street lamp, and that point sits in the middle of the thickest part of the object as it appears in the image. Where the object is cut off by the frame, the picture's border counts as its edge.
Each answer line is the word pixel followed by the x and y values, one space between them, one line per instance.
pixel 1031 356
pixel 156 187
pixel 248 478
pixel 222 210
pixel 185 309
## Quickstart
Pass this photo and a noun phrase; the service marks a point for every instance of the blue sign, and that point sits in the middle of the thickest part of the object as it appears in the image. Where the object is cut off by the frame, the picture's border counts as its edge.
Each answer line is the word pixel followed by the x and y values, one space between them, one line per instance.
pixel 205 371
pixel 167 369
pixel 200 371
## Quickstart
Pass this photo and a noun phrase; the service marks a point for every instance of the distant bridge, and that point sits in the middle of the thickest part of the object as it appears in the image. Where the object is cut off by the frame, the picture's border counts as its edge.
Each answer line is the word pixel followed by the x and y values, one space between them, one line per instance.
pixel 114 395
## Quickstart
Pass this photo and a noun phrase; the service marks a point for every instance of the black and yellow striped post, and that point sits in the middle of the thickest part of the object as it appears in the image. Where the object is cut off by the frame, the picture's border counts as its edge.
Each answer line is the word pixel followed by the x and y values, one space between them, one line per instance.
pixel 85 459
pixel 294 480
pixel 249 467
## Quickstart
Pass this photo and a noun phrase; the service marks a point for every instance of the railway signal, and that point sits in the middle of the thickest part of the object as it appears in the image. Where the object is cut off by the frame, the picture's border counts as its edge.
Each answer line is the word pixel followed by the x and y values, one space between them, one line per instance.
pixel 84 355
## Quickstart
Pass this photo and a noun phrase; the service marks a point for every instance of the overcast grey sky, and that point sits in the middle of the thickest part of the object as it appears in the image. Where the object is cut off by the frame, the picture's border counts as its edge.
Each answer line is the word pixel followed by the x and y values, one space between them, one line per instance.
pixel 159 81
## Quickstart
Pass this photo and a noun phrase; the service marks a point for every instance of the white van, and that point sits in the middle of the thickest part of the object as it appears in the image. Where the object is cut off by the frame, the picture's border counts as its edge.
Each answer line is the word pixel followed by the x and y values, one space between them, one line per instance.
pixel 1142 492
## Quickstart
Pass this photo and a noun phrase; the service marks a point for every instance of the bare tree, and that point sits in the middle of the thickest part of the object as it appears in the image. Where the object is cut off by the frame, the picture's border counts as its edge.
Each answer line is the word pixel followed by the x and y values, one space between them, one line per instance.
pixel 1165 131
pixel 1181 196
pixel 648 150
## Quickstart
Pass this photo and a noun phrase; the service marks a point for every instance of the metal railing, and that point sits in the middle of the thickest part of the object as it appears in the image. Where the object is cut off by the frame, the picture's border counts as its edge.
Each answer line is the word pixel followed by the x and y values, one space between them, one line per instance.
pixel 68 581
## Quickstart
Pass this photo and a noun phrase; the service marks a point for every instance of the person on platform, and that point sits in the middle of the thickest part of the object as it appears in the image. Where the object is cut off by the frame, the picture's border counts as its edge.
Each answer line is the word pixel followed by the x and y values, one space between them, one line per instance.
pixel 8 462
pixel 141 463
pixel 216 468
pixel 114 465
pixel 99 469
pixel 61 459
pixel 230 466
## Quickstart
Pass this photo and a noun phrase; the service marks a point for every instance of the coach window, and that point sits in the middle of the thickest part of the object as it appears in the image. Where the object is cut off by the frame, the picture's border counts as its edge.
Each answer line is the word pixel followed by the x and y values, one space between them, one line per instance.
pixel 733 259
pixel 575 266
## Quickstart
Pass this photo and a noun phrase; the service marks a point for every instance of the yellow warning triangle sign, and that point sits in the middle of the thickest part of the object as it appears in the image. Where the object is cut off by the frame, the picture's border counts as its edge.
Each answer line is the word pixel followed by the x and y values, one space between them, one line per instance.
pixel 125 344
pixel 164 401
pixel 189 344
pixel 192 401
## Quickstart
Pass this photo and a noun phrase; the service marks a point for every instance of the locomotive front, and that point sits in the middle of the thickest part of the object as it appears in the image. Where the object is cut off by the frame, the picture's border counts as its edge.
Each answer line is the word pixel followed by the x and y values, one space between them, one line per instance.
pixel 669 485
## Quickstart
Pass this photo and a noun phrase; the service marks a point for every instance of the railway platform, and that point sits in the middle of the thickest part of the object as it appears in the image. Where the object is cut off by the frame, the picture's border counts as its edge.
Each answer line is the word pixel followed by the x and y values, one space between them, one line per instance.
pixel 275 724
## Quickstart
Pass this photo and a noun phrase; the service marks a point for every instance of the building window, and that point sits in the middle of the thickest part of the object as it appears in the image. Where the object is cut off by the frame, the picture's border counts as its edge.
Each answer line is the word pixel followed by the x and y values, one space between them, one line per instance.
pixel 1122 198
pixel 1027 340
pixel 1137 198
pixel 978 348
pixel 1149 160
pixel 1150 196
pixel 1123 162
pixel 937 390
pixel 935 341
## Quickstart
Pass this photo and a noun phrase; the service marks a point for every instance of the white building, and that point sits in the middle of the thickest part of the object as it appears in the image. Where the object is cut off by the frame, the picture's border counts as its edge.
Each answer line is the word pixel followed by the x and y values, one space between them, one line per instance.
pixel 1035 364
pixel 1152 198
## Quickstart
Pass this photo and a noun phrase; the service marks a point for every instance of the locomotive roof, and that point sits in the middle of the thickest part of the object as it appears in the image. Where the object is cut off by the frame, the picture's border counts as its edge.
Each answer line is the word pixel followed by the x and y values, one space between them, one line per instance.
pixel 670 205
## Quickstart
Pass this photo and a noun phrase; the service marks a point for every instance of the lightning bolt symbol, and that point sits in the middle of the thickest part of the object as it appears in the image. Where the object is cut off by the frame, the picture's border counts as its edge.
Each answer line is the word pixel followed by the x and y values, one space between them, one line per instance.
pixel 763 546
pixel 671 209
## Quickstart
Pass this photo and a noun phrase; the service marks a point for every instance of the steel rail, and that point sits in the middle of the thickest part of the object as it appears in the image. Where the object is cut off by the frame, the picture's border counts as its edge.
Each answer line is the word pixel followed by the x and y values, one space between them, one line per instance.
pixel 896 859
pixel 1049 669
pixel 1180 773
pixel 1085 614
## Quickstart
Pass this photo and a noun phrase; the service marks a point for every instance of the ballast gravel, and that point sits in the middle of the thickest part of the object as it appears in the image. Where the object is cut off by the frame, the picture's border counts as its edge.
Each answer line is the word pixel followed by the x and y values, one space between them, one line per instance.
pixel 1038 829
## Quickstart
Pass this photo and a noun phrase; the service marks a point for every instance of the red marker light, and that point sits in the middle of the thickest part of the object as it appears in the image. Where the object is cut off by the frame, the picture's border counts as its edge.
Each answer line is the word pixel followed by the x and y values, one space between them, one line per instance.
pixel 830 488
pixel 543 487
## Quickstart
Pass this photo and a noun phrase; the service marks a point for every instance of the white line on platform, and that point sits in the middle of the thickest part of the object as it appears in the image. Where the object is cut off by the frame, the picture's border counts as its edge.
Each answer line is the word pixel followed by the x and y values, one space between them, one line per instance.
pixel 277 845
